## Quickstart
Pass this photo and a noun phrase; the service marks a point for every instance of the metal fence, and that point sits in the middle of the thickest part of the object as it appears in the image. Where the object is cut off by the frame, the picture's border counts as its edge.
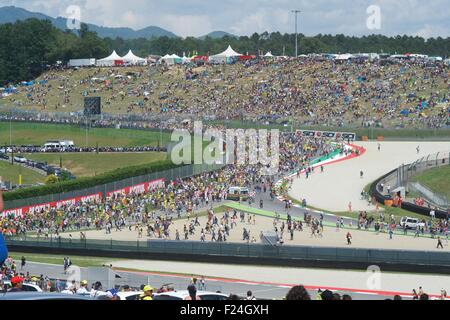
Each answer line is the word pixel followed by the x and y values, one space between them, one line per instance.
pixel 403 177
pixel 141 121
pixel 168 175
pixel 370 256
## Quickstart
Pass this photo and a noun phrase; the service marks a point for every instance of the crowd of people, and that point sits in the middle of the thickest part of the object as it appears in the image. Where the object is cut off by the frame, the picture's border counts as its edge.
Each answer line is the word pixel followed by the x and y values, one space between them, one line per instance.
pixel 300 293
pixel 155 208
pixel 312 92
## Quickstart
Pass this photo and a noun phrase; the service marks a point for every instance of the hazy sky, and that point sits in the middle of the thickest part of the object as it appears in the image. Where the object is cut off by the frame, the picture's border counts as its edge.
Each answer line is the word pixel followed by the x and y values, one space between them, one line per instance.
pixel 427 18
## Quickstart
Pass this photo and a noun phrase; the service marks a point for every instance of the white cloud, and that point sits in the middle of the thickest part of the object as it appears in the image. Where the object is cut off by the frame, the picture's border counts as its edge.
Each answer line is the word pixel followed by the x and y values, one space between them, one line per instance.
pixel 198 17
pixel 187 25
pixel 262 20
pixel 429 31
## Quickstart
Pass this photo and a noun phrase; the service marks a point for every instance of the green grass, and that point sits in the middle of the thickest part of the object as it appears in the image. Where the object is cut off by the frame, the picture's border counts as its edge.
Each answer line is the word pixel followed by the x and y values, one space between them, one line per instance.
pixel 91 164
pixel 438 180
pixel 39 134
pixel 80 261
pixel 11 174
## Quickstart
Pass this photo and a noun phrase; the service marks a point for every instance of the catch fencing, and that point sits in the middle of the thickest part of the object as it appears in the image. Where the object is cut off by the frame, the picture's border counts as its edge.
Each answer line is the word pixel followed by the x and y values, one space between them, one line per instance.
pixel 403 177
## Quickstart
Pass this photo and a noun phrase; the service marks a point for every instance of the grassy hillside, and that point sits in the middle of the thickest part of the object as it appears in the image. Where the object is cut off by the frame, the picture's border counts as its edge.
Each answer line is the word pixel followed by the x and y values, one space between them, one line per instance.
pixel 38 134
pixel 91 164
pixel 437 179
pixel 11 174
pixel 132 90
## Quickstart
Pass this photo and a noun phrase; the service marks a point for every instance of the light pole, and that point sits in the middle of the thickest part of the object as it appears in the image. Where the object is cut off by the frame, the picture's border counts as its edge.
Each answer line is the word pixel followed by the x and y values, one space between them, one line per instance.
pixel 10 132
pixel 296 12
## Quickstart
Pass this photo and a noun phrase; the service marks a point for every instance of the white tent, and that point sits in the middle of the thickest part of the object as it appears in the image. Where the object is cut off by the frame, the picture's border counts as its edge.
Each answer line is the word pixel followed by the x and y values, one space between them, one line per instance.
pixel 130 58
pixel 185 59
pixel 166 59
pixel 343 56
pixel 170 59
pixel 224 56
pixel 268 55
pixel 109 61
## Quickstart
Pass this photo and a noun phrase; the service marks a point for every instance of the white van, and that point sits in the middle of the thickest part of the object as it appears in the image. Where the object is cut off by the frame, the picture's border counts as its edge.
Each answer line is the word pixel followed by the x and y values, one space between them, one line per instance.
pixel 57 145
pixel 238 194
pixel 411 223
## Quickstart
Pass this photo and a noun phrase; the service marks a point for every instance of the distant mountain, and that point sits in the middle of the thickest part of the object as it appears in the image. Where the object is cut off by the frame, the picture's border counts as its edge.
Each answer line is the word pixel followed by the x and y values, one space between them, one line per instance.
pixel 218 35
pixel 12 14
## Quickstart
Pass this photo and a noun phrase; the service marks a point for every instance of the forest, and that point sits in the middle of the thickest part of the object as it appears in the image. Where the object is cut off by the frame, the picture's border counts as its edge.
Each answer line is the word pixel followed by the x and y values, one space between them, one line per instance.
pixel 28 47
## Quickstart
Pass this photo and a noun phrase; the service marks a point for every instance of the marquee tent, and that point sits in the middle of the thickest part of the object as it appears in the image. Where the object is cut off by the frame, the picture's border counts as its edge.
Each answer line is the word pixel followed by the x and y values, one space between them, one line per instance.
pixel 110 61
pixel 225 57
pixel 130 58
pixel 170 59
pixel 166 59
pixel 185 59
pixel 268 55
pixel 176 58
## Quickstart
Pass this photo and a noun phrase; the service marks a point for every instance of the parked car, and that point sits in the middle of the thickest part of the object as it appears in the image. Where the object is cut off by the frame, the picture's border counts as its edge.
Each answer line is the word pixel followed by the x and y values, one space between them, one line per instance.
pixel 181 295
pixel 27 287
pixel 4 156
pixel 411 223
pixel 53 170
pixel 20 159
pixel 131 295
pixel 42 166
pixel 39 296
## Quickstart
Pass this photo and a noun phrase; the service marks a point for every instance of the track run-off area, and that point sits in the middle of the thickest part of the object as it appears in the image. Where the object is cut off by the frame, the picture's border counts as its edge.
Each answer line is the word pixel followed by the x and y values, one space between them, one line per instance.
pixel 340 183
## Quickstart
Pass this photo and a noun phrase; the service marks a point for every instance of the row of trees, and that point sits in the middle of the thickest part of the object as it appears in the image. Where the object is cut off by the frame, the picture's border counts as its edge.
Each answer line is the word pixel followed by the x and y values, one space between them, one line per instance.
pixel 26 47
pixel 284 44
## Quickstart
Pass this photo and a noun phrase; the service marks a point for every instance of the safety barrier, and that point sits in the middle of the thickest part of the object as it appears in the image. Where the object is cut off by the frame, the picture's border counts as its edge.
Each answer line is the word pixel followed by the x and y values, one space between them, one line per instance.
pixel 236 250
pixel 402 176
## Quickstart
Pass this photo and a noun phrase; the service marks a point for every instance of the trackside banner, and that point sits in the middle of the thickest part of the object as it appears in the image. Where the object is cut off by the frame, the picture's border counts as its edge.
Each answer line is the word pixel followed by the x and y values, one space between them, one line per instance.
pixel 20 212
pixel 328 134
pixel 139 188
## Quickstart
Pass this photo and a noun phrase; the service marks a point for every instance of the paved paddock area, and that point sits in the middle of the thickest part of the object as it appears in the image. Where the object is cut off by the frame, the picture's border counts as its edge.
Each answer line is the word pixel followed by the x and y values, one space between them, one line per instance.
pixel 341 184
pixel 331 237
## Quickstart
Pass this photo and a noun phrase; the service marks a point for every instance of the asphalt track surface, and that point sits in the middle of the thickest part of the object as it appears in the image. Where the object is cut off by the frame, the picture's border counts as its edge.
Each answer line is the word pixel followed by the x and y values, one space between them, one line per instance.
pixel 261 289
pixel 341 182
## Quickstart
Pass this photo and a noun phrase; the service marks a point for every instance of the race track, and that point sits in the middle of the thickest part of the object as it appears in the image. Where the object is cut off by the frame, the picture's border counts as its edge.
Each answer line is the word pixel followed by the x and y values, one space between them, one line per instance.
pixel 341 184
pixel 354 282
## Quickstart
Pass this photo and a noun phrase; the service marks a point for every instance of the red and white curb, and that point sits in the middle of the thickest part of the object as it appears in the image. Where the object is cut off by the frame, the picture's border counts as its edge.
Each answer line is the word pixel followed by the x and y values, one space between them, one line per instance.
pixel 278 285
pixel 334 160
